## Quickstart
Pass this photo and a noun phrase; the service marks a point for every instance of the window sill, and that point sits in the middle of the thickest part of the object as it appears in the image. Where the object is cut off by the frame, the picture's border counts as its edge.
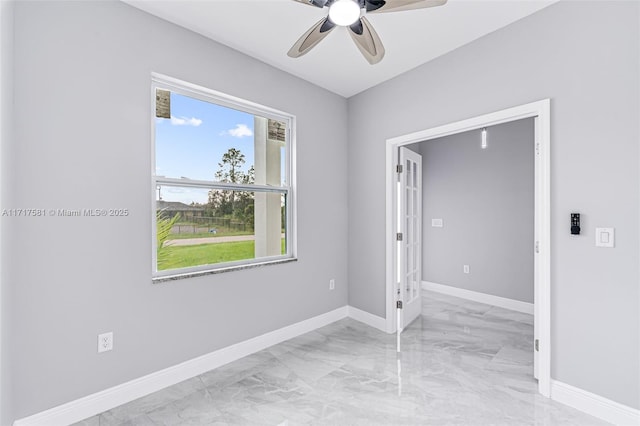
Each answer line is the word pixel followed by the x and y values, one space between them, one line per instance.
pixel 176 277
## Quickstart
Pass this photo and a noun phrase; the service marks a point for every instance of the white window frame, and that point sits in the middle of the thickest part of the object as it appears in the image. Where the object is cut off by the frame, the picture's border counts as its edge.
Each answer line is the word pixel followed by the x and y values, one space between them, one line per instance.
pixel 159 81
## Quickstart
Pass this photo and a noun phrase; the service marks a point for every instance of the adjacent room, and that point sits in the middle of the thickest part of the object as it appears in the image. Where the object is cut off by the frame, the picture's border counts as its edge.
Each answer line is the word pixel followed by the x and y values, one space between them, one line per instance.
pixel 343 212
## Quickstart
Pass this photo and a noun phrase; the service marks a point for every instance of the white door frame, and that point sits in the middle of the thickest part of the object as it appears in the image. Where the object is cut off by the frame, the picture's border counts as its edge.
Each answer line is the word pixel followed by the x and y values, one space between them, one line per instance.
pixel 541 111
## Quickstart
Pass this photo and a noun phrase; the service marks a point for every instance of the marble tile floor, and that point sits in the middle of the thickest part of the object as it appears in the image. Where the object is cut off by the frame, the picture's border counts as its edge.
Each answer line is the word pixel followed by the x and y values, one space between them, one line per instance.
pixel 462 363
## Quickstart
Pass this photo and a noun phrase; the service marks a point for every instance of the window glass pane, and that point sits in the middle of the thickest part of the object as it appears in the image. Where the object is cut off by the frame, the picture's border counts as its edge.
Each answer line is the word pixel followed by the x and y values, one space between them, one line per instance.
pixel 408 201
pixel 209 142
pixel 415 175
pixel 408 173
pixel 199 226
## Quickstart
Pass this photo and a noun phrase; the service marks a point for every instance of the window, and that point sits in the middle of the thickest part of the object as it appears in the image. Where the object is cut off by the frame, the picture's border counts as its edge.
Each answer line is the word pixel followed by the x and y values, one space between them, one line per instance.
pixel 222 181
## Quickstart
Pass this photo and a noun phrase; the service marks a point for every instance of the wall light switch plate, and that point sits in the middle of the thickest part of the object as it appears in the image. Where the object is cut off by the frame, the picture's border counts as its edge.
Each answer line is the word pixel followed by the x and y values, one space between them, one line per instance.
pixel 437 223
pixel 605 237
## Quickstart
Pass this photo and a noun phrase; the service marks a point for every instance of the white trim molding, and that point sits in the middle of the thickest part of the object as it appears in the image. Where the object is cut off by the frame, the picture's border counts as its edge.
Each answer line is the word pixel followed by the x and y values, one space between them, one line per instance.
pixel 107 399
pixel 367 318
pixel 596 405
pixel 489 299
pixel 102 401
pixel 541 112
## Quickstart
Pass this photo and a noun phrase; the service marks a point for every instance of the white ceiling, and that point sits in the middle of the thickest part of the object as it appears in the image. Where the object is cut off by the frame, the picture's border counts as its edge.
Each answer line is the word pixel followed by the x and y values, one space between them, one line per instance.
pixel 266 30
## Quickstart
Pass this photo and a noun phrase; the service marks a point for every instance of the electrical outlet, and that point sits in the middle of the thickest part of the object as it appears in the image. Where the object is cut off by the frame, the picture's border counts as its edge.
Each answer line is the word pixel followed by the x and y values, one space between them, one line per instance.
pixel 105 342
pixel 332 284
pixel 465 269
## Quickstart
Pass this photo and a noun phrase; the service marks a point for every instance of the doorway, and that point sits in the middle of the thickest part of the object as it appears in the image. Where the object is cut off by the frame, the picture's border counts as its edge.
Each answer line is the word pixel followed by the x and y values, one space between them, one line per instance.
pixel 540 112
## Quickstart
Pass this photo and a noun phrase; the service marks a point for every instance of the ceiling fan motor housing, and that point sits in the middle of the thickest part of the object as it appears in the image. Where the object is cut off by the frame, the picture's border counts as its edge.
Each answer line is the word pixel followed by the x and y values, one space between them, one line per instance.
pixel 364 4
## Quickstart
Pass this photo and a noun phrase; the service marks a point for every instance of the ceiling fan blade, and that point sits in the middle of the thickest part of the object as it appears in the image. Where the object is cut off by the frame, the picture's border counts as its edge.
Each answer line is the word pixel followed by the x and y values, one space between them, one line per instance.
pixel 312 37
pixel 316 3
pixel 400 5
pixel 372 5
pixel 367 41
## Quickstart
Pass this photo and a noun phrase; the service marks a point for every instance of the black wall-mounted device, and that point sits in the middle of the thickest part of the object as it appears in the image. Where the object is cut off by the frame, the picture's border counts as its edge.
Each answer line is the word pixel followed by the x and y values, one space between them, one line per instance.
pixel 575 223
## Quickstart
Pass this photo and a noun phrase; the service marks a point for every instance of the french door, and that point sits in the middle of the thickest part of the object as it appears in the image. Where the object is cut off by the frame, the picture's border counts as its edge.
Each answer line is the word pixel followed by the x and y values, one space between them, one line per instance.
pixel 409 256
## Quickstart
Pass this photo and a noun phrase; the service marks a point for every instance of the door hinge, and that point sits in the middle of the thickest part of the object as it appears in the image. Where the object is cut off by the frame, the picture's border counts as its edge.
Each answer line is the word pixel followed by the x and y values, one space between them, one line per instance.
pixel 537 248
pixel 399 236
pixel 538 148
pixel 537 345
pixel 399 168
pixel 399 304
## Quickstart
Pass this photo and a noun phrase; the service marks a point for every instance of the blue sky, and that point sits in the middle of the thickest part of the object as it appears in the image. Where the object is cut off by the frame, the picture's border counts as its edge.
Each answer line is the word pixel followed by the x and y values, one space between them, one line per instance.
pixel 192 142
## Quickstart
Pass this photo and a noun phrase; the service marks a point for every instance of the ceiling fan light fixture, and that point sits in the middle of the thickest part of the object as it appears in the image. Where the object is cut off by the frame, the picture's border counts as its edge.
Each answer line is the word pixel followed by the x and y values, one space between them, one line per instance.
pixel 351 14
pixel 344 12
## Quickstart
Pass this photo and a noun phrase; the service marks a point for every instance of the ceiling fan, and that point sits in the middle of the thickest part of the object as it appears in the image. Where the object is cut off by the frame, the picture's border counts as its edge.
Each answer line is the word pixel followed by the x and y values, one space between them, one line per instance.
pixel 350 13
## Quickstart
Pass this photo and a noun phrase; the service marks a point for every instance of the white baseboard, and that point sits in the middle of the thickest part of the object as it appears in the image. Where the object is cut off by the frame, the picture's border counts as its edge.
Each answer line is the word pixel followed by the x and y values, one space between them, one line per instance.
pixel 596 405
pixel 502 302
pixel 99 402
pixel 367 318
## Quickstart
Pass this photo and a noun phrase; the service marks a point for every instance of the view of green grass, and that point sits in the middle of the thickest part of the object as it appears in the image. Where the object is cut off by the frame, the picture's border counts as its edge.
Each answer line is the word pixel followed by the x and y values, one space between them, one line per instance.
pixel 204 254
pixel 207 254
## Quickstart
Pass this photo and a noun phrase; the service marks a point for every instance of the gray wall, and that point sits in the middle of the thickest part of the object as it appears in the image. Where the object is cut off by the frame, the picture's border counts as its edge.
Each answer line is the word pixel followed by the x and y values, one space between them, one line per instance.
pixel 585 56
pixel 6 100
pixel 82 124
pixel 486 200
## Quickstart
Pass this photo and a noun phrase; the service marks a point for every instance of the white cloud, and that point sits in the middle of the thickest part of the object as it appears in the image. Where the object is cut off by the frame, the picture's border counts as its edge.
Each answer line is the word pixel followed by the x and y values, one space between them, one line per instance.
pixel 185 121
pixel 240 131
